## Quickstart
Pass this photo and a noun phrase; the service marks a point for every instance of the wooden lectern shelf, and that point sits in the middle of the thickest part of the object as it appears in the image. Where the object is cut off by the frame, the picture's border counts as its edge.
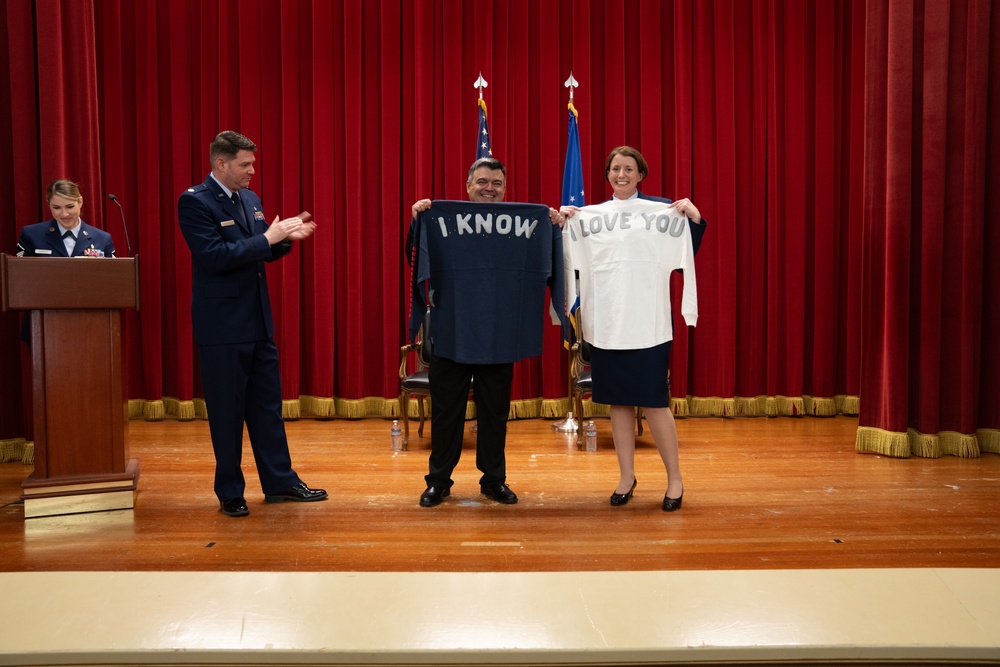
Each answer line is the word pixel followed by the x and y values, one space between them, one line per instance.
pixel 82 460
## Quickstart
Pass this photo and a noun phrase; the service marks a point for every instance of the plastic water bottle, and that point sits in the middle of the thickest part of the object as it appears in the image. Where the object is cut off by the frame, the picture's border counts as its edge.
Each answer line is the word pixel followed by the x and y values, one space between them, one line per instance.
pixel 396 434
pixel 590 437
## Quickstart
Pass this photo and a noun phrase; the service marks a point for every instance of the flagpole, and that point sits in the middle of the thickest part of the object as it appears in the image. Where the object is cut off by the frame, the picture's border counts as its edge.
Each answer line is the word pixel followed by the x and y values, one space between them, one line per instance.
pixel 483 149
pixel 572 179
pixel 483 141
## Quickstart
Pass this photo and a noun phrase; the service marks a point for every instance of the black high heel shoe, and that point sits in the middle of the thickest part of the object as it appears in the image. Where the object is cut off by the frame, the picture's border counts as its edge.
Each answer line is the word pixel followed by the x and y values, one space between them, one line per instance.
pixel 672 504
pixel 623 498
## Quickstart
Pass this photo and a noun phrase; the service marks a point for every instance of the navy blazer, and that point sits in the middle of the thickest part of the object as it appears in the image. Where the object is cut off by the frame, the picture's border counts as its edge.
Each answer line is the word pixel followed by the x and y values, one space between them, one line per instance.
pixel 44 239
pixel 229 298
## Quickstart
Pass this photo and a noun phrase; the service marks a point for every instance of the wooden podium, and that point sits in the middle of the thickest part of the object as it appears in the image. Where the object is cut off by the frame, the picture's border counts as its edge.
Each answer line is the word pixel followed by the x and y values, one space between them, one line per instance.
pixel 82 460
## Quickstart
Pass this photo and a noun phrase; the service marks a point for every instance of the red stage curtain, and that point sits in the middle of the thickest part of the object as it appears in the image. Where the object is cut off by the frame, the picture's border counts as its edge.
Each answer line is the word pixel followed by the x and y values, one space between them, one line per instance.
pixel 754 109
pixel 930 293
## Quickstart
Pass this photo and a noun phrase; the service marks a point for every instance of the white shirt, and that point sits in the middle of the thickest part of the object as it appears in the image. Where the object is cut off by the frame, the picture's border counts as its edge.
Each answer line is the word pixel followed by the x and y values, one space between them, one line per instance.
pixel 229 193
pixel 625 251
pixel 69 242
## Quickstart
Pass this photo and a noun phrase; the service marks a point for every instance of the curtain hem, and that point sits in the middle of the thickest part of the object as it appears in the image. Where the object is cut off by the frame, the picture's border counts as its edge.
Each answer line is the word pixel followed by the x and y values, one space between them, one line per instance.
pixel 531 408
pixel 12 449
pixel 926 445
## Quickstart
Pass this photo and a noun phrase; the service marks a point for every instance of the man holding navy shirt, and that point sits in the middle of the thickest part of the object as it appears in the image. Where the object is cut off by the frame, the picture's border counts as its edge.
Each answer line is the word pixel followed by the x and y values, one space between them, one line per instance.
pixel 450 379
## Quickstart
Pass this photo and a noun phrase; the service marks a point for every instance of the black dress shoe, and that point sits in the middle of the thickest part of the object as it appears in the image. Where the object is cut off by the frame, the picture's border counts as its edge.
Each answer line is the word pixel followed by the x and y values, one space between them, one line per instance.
pixel 499 492
pixel 618 499
pixel 433 496
pixel 300 493
pixel 234 507
pixel 672 504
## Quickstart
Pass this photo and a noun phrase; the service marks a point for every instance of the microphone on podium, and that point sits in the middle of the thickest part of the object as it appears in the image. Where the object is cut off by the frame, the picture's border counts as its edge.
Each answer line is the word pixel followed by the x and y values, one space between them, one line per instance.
pixel 128 246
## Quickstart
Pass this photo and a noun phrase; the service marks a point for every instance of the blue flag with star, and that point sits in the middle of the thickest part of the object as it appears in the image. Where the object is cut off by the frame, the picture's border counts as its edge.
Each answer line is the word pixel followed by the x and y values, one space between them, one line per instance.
pixel 572 188
pixel 572 194
pixel 483 148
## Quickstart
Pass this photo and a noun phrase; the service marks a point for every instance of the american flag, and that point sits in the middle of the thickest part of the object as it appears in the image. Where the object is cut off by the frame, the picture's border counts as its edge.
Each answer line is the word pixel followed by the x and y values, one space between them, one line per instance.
pixel 483 148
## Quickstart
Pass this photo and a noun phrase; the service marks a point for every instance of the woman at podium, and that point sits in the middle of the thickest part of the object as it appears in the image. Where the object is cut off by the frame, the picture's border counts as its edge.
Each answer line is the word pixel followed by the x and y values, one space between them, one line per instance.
pixel 66 234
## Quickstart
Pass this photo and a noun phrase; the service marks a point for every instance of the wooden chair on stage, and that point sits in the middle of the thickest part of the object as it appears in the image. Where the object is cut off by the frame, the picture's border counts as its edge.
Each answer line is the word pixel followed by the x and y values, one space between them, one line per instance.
pixel 581 380
pixel 416 383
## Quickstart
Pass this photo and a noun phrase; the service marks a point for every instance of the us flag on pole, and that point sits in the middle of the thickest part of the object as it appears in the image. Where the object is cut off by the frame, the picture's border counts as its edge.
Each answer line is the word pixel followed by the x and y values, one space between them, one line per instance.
pixel 483 138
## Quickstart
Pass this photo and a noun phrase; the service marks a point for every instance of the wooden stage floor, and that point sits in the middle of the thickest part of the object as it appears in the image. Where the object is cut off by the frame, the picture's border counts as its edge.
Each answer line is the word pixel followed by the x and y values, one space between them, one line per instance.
pixel 791 548
pixel 759 494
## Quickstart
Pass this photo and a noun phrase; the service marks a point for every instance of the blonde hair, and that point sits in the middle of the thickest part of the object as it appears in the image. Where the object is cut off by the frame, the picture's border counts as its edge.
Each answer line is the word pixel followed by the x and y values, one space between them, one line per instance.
pixel 63 188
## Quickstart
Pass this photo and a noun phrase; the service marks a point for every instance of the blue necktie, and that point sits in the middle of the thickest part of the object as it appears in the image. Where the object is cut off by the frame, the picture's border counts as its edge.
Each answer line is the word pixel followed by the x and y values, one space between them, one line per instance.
pixel 239 208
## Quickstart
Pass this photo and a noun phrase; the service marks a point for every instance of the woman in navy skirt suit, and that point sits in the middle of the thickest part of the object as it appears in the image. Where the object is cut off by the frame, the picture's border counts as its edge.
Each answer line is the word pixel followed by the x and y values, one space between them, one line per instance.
pixel 627 378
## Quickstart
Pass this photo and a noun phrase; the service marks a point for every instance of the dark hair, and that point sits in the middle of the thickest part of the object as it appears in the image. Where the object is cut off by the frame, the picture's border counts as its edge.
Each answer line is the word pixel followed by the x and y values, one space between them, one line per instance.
pixel 227 144
pixel 63 188
pixel 626 151
pixel 488 162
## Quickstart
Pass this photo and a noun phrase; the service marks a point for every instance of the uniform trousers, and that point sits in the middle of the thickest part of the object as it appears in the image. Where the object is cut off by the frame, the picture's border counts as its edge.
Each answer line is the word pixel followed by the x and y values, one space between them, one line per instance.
pixel 449 388
pixel 242 385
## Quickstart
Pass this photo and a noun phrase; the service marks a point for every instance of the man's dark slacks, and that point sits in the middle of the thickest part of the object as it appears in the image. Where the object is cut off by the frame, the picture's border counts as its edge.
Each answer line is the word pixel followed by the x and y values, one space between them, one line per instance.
pixel 450 382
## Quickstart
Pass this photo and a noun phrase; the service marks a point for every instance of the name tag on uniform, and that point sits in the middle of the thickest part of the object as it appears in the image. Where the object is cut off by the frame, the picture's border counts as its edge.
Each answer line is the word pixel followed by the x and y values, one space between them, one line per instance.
pixel 39 251
pixel 228 223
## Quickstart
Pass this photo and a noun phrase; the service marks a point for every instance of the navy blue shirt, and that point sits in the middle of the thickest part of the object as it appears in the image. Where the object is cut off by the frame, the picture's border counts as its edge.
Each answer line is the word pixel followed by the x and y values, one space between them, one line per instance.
pixel 484 269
